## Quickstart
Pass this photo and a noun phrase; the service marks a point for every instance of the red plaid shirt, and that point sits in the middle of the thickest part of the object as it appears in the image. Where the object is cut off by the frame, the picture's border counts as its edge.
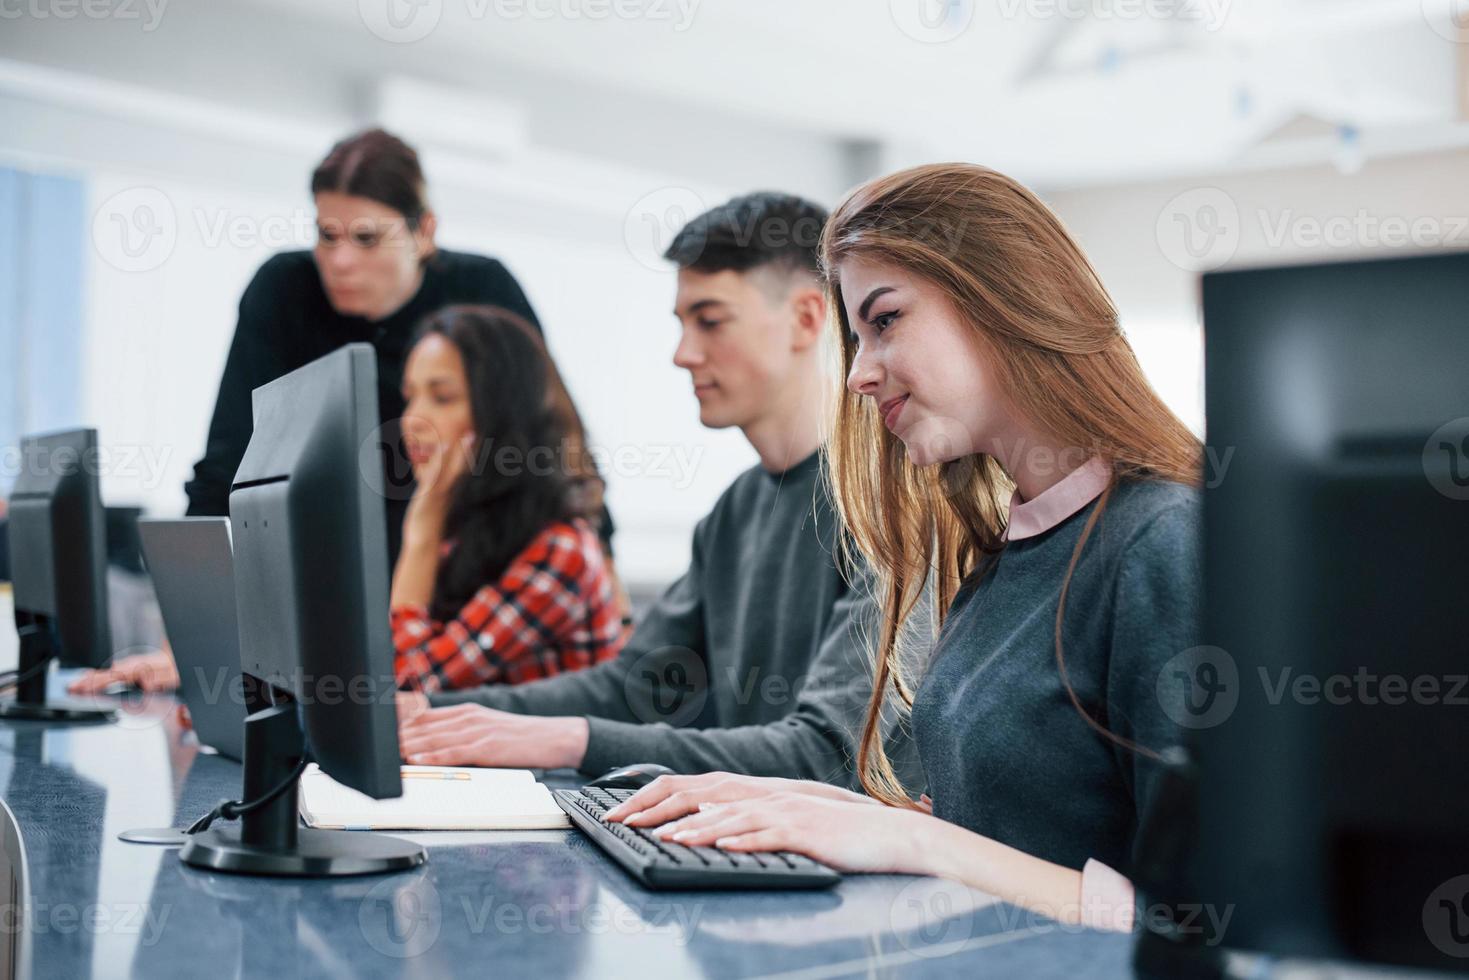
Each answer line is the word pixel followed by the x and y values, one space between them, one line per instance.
pixel 553 609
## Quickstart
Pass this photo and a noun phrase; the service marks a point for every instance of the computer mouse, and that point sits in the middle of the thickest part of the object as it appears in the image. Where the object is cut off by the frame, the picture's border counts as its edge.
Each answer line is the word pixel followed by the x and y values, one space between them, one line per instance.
pixel 635 776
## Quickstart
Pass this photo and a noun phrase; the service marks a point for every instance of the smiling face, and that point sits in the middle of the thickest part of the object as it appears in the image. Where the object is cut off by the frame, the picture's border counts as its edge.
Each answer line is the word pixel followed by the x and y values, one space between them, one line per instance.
pixel 923 366
pixel 438 411
pixel 739 341
pixel 369 259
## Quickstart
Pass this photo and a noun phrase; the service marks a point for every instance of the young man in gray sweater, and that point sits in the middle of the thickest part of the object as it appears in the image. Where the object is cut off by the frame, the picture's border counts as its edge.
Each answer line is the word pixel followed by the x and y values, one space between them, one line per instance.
pixel 753 661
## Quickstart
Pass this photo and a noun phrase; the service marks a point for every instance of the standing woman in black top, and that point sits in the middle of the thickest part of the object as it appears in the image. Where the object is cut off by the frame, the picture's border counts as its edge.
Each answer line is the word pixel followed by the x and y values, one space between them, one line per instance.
pixel 374 274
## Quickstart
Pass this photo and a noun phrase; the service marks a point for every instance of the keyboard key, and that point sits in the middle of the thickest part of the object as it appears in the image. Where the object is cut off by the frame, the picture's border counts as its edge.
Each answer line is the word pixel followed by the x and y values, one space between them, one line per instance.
pixel 713 857
pixel 668 864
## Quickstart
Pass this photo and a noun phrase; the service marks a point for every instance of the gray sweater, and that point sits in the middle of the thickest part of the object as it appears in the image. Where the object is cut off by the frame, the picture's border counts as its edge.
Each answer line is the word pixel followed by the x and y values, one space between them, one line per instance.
pixel 752 662
pixel 1004 750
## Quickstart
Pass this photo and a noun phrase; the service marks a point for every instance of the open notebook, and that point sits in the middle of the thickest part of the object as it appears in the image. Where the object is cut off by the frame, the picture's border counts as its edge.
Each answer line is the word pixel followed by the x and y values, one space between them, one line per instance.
pixel 434 798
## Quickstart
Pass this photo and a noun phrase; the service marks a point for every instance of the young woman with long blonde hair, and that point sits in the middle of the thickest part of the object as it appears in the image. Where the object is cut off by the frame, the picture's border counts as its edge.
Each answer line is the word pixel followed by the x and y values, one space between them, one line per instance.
pixel 997 444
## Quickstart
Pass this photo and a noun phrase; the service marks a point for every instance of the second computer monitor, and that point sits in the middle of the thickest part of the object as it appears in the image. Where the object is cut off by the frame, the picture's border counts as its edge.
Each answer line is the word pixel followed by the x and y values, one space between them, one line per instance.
pixel 311 564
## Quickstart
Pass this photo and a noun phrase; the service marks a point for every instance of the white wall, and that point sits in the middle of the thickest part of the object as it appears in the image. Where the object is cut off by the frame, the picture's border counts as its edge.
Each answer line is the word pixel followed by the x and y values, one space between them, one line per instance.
pixel 1134 235
pixel 228 181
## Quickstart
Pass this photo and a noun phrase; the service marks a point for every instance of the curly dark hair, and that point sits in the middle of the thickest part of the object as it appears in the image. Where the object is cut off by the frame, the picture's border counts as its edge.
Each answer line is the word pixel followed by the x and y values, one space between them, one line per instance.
pixel 529 467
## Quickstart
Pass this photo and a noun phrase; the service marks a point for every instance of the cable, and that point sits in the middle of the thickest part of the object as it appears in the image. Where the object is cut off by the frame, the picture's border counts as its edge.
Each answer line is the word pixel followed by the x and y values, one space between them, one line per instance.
pixel 14 678
pixel 234 809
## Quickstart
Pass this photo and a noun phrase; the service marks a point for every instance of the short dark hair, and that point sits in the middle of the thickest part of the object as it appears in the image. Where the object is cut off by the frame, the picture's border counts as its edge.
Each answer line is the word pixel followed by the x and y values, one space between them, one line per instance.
pixel 764 229
pixel 379 166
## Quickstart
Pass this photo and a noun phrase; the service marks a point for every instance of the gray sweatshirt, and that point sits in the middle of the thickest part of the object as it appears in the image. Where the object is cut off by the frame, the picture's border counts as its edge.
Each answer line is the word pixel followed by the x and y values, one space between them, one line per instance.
pixel 1005 751
pixel 753 662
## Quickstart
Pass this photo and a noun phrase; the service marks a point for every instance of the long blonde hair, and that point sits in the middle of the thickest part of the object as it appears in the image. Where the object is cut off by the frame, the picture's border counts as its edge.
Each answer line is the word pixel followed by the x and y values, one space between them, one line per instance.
pixel 1037 306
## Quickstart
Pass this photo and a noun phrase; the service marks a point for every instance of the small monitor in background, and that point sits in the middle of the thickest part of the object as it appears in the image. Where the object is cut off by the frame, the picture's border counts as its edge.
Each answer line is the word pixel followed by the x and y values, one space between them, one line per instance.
pixel 1329 703
pixel 311 587
pixel 58 558
pixel 192 568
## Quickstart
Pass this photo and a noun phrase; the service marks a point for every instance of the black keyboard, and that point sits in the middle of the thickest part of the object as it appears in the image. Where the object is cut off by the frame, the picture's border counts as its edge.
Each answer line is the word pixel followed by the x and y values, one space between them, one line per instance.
pixel 665 864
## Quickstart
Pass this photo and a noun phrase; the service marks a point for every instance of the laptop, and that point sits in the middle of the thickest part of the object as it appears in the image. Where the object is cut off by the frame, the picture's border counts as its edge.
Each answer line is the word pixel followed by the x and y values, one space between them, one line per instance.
pixel 192 564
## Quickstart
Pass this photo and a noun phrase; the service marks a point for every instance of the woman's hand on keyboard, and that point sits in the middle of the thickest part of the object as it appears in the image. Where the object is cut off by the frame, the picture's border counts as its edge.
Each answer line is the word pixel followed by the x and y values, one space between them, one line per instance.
pixel 847 835
pixel 670 797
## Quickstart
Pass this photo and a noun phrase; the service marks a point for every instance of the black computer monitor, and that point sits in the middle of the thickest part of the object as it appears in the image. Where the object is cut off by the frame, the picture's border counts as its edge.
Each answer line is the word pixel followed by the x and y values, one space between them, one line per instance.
pixel 311 588
pixel 1332 705
pixel 58 545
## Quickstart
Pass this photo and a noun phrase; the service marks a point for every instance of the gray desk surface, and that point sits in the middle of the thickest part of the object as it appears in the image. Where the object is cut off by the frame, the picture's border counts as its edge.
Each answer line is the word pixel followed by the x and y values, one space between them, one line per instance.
pixel 522 904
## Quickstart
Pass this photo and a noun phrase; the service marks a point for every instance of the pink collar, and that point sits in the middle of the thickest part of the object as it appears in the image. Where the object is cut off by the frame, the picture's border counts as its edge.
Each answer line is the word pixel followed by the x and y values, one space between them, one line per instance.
pixel 1077 489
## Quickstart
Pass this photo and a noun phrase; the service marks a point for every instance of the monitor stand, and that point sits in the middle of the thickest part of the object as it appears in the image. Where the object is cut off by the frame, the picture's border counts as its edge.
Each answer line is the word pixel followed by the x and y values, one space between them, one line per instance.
pixel 37 650
pixel 269 841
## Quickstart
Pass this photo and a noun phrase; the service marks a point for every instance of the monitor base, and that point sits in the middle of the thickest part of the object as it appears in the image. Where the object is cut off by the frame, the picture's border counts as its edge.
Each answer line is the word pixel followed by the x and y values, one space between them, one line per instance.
pixel 317 853
pixel 24 711
pixel 162 836
pixel 37 650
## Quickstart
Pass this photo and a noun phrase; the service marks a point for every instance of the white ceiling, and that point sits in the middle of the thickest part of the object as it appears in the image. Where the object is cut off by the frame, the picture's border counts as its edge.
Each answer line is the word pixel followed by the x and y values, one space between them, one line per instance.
pixel 1061 93
pixel 1064 92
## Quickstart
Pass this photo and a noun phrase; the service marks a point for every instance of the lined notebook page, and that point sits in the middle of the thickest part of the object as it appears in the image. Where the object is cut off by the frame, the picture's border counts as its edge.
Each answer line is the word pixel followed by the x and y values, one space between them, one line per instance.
pixel 434 798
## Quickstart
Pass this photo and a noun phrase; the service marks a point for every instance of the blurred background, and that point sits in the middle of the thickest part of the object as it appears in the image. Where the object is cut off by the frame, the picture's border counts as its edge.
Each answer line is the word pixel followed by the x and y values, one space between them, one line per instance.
pixel 154 152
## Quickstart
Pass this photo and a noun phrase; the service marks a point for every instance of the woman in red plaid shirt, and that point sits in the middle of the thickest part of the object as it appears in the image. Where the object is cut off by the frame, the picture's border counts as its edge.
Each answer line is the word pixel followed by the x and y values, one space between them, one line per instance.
pixel 502 578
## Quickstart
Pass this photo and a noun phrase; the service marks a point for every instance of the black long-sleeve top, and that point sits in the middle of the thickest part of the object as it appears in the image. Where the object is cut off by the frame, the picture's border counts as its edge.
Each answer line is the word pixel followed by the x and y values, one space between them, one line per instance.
pixel 286 321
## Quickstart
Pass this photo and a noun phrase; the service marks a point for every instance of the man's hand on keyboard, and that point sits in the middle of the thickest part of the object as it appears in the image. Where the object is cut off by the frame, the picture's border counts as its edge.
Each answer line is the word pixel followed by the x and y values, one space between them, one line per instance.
pixel 473 735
